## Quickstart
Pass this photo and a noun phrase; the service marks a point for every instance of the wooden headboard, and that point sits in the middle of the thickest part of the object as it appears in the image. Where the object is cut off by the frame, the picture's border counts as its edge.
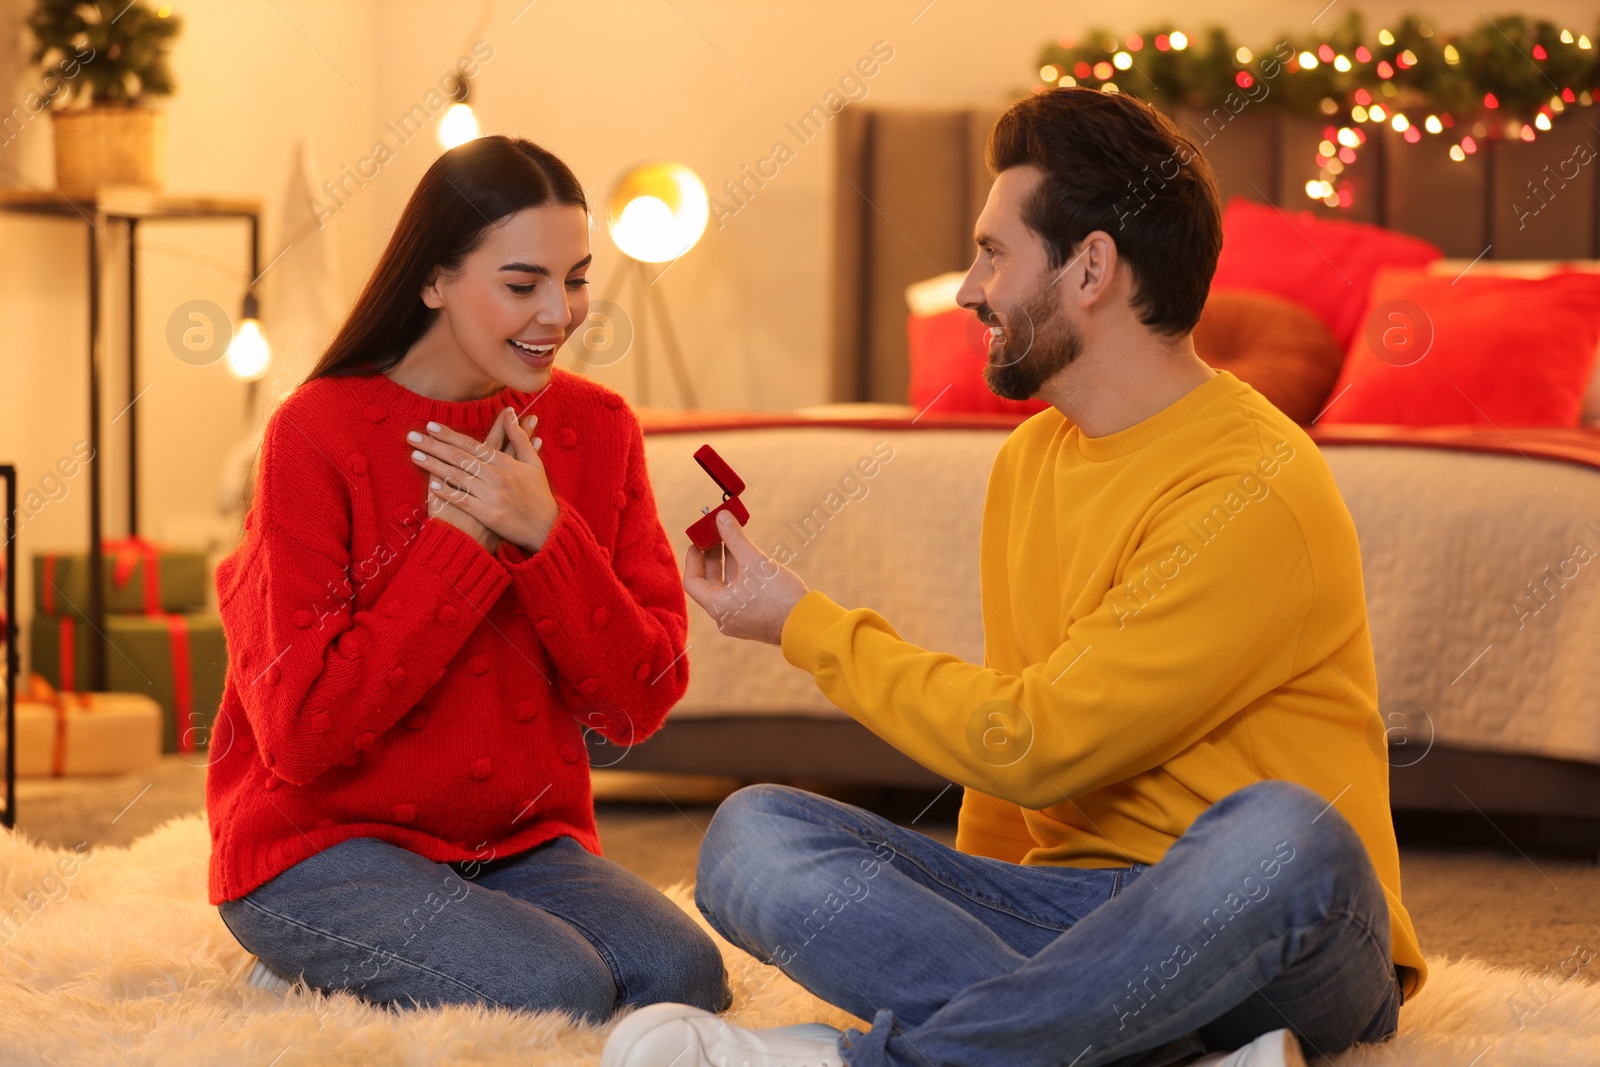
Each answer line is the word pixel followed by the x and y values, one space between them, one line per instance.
pixel 909 185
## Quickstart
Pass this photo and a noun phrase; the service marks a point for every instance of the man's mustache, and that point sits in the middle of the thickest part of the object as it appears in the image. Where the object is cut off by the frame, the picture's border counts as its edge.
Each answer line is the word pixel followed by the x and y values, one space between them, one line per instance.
pixel 987 315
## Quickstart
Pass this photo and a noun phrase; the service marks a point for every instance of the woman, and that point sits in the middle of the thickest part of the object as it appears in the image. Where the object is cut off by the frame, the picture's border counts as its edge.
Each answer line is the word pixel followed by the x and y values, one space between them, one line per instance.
pixel 429 609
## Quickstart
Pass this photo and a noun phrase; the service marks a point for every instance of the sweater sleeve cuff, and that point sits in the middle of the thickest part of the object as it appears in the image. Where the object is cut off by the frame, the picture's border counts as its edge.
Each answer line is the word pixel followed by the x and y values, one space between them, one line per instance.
pixel 803 629
pixel 454 555
pixel 569 552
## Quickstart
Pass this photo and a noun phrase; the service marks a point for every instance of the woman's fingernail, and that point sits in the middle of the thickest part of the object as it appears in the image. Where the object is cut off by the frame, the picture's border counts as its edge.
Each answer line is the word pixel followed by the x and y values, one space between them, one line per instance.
pixel 414 437
pixel 726 518
pixel 435 484
pixel 434 427
pixel 537 442
pixel 419 456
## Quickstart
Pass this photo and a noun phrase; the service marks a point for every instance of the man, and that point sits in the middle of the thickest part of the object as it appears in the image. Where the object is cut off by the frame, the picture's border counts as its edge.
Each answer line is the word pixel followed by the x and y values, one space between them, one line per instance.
pixel 1175 840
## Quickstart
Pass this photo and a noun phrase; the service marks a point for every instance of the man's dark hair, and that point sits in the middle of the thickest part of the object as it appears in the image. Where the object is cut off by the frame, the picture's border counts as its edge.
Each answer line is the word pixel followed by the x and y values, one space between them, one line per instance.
pixel 1115 163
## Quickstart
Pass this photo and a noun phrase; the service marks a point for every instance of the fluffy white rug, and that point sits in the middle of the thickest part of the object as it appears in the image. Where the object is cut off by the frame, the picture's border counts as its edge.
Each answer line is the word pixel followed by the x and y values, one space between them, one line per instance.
pixel 113 956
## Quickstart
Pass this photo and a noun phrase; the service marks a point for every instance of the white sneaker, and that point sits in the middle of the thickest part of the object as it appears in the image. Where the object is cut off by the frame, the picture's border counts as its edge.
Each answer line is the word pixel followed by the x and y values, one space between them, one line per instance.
pixel 1280 1048
pixel 258 975
pixel 676 1034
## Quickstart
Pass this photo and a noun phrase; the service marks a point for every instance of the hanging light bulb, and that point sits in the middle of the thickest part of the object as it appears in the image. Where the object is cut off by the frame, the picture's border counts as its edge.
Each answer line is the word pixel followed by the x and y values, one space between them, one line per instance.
pixel 248 352
pixel 458 124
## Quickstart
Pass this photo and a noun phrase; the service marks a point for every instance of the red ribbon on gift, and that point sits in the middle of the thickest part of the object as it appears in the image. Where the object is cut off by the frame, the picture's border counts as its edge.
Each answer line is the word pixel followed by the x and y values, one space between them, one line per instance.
pixel 126 554
pixel 49 590
pixel 42 692
pixel 65 703
pixel 66 659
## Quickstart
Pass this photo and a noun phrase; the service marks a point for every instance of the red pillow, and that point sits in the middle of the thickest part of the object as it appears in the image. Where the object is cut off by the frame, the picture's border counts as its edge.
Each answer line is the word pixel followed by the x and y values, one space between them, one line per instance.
pixel 1484 351
pixel 948 353
pixel 1326 265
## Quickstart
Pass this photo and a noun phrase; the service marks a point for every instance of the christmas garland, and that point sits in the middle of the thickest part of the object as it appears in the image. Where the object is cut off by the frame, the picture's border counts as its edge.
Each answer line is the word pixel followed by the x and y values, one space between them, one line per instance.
pixel 1505 78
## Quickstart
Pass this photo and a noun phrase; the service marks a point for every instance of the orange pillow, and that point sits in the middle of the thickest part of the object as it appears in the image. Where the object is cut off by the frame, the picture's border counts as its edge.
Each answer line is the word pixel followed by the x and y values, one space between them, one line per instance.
pixel 1472 350
pixel 1275 345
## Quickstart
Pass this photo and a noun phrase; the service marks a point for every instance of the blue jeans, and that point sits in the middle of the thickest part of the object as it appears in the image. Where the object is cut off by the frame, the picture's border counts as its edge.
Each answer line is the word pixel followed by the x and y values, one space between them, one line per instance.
pixel 1265 914
pixel 555 927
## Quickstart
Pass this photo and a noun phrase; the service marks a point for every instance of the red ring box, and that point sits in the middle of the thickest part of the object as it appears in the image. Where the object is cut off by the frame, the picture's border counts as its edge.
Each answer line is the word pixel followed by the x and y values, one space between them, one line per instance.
pixel 704 532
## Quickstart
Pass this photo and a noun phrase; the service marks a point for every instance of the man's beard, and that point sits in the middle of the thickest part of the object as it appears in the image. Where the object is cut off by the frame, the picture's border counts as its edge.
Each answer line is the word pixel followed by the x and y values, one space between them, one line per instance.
pixel 1038 343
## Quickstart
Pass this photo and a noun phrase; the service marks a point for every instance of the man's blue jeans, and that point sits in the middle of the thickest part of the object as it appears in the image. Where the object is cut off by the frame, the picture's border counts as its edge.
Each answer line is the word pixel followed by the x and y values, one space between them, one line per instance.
pixel 1265 914
pixel 555 927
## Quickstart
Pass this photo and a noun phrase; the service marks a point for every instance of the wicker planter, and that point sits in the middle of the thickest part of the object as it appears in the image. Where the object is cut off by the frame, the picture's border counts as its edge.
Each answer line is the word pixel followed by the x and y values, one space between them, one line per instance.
pixel 100 146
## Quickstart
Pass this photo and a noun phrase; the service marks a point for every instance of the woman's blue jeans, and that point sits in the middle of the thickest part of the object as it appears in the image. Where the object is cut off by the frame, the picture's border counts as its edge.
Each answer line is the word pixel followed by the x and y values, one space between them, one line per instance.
pixel 555 927
pixel 1265 914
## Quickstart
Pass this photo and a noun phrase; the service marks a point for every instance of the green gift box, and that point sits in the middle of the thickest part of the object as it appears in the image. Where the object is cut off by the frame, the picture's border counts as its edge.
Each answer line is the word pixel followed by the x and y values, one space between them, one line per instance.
pixel 136 578
pixel 178 660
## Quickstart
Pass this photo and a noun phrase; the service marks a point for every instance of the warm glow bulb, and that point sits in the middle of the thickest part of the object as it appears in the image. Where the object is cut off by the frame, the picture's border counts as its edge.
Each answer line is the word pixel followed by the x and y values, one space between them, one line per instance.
pixel 1179 40
pixel 248 352
pixel 1307 61
pixel 658 212
pixel 644 230
pixel 458 126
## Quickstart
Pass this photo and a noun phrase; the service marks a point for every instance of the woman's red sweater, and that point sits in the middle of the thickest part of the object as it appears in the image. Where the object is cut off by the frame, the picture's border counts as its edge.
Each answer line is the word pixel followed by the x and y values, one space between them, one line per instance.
pixel 387 677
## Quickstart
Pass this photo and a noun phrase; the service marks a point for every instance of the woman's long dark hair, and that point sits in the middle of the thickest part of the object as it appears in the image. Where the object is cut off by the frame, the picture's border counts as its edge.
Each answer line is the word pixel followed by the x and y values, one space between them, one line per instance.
pixel 466 189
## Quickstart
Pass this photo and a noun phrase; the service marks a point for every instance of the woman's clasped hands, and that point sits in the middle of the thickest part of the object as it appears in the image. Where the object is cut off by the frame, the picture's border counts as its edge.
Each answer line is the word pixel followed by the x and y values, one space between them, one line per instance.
pixel 495 489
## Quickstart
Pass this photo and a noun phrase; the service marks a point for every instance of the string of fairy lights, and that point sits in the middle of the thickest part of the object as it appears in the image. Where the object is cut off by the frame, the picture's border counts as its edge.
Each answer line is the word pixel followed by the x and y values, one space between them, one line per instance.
pixel 1506 78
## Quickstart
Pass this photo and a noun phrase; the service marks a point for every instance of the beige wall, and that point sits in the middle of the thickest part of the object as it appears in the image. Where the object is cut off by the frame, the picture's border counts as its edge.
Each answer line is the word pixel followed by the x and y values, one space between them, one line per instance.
pixel 605 83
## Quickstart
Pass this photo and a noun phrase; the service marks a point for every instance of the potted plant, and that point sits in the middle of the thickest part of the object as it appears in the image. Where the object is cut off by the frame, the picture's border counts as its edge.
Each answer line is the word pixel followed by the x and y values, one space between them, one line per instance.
pixel 110 59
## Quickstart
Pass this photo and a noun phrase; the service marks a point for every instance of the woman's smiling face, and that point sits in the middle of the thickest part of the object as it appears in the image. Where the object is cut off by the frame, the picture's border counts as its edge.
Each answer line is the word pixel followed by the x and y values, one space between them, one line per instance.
pixel 519 295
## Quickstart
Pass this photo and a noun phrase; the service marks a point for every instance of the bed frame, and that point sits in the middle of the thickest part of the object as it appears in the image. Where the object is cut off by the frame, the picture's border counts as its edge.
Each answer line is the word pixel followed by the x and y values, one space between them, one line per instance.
pixel 1555 803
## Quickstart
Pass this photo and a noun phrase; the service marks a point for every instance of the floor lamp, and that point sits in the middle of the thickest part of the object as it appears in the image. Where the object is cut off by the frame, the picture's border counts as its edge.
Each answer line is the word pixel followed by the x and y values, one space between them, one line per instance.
pixel 658 213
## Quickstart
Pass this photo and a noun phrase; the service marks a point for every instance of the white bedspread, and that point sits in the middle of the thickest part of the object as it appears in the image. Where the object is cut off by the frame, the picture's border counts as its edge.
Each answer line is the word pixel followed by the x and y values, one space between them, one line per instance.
pixel 1467 653
pixel 1493 650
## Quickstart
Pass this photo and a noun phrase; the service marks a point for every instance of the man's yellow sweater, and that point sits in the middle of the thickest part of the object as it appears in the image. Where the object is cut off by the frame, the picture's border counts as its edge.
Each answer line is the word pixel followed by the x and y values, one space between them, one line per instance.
pixel 1170 613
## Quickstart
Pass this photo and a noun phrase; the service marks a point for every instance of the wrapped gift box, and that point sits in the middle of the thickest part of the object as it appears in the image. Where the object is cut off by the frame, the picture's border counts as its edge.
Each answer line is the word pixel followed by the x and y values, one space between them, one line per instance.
pixel 177 660
pixel 137 577
pixel 86 734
